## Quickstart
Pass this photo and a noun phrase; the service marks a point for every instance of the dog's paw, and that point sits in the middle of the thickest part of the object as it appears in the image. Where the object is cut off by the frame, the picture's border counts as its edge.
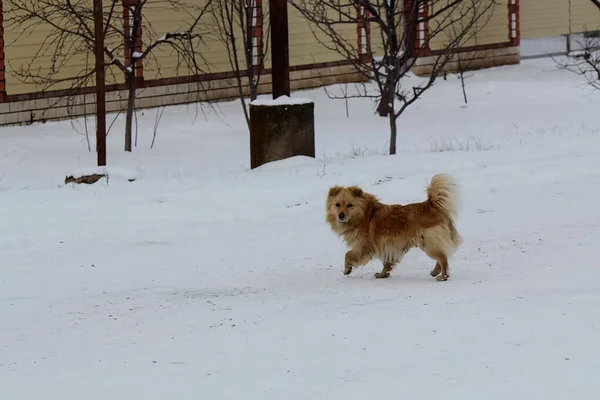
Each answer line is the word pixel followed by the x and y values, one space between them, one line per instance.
pixel 347 270
pixel 442 278
pixel 382 275
pixel 435 271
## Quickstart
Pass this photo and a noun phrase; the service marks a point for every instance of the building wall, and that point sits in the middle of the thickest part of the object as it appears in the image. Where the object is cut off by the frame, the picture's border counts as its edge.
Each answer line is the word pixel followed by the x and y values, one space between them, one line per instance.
pixel 165 79
pixel 29 110
pixel 24 56
pixel 543 18
pixel 547 18
pixel 30 50
pixel 495 29
pixel 492 27
pixel 213 54
pixel 492 42
pixel 473 60
pixel 585 16
pixel 375 40
pixel 212 51
pixel 311 44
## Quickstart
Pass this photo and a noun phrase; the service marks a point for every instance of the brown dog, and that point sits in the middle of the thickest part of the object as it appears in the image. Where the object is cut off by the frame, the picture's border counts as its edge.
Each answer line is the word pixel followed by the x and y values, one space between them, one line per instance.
pixel 375 230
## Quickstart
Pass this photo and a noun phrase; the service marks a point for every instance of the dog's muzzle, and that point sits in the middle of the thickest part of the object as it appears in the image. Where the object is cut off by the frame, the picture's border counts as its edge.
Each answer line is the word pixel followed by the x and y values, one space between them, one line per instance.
pixel 342 217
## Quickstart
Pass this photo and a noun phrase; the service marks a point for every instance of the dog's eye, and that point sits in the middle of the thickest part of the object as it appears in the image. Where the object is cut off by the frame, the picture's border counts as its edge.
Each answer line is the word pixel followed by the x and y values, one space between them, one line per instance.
pixel 349 205
pixel 337 205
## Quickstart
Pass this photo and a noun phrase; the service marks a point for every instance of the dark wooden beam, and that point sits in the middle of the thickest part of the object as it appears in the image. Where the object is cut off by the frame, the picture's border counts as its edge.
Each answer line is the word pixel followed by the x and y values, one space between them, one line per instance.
pixel 280 56
pixel 100 90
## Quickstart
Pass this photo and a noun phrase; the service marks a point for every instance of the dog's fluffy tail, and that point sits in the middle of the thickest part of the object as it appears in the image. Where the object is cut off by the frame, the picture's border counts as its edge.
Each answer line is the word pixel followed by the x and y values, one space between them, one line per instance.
pixel 443 193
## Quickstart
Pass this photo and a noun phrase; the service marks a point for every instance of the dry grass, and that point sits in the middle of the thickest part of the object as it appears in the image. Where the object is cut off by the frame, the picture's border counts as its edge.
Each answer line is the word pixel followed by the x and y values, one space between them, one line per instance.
pixel 470 144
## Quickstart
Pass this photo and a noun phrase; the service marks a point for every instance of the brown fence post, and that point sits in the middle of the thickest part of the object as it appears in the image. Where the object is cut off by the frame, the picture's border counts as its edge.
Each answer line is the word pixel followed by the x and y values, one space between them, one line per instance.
pixel 100 77
pixel 2 68
pixel 280 57
pixel 283 127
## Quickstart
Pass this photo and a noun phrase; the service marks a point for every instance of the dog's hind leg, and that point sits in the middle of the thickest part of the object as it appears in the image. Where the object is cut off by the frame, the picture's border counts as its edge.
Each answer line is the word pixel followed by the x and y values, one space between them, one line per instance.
pixel 436 270
pixel 438 245
pixel 444 274
pixel 440 271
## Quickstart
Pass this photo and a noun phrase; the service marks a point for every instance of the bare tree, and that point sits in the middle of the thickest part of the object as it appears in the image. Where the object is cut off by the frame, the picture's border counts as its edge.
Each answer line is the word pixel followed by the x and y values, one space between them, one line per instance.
pixel 69 28
pixel 397 23
pixel 236 22
pixel 465 60
pixel 463 64
pixel 584 62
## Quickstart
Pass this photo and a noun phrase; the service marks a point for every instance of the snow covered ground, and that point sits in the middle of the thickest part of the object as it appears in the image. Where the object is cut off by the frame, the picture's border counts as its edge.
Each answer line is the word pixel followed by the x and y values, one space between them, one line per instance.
pixel 203 279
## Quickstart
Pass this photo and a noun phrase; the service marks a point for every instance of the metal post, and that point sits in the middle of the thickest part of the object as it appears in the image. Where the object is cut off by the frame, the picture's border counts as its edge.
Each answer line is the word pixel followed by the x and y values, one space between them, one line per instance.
pixel 100 77
pixel 280 57
pixel 569 35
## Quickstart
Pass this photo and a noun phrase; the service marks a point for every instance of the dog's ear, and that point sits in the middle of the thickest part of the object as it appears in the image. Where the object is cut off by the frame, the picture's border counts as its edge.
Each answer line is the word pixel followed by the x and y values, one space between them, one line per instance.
pixel 356 191
pixel 334 191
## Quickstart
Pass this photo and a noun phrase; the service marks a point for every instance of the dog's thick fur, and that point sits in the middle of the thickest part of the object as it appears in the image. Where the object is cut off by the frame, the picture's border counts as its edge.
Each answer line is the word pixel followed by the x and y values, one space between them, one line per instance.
pixel 375 230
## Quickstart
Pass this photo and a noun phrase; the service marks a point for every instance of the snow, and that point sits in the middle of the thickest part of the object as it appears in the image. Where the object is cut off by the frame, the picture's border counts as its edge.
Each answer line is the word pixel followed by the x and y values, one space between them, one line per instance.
pixel 544 46
pixel 281 101
pixel 291 163
pixel 204 278
pixel 136 54
pixel 549 46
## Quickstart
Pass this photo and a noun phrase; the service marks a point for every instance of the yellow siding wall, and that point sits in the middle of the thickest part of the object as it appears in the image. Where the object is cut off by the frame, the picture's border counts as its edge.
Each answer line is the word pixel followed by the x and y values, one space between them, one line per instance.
pixel 542 18
pixel 114 41
pixel 19 51
pixel 212 54
pixel 491 28
pixel 21 46
pixel 539 17
pixel 266 34
pixel 376 40
pixel 585 16
pixel 496 27
pixel 33 49
pixel 305 49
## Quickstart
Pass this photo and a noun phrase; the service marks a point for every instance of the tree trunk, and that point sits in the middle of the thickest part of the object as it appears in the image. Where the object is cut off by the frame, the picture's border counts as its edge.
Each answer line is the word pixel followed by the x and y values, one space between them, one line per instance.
pixel 253 88
pixel 387 97
pixel 130 109
pixel 383 108
pixel 393 131
pixel 464 88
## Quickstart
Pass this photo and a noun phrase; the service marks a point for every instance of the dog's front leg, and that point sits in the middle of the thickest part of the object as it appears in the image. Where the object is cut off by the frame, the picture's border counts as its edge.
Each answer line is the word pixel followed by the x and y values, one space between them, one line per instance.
pixel 348 263
pixel 355 258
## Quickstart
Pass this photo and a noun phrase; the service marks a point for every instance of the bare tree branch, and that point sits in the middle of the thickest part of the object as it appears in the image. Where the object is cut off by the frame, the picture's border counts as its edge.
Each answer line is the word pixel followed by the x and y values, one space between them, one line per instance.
pixel 397 25
pixel 234 22
pixel 584 62
pixel 68 25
